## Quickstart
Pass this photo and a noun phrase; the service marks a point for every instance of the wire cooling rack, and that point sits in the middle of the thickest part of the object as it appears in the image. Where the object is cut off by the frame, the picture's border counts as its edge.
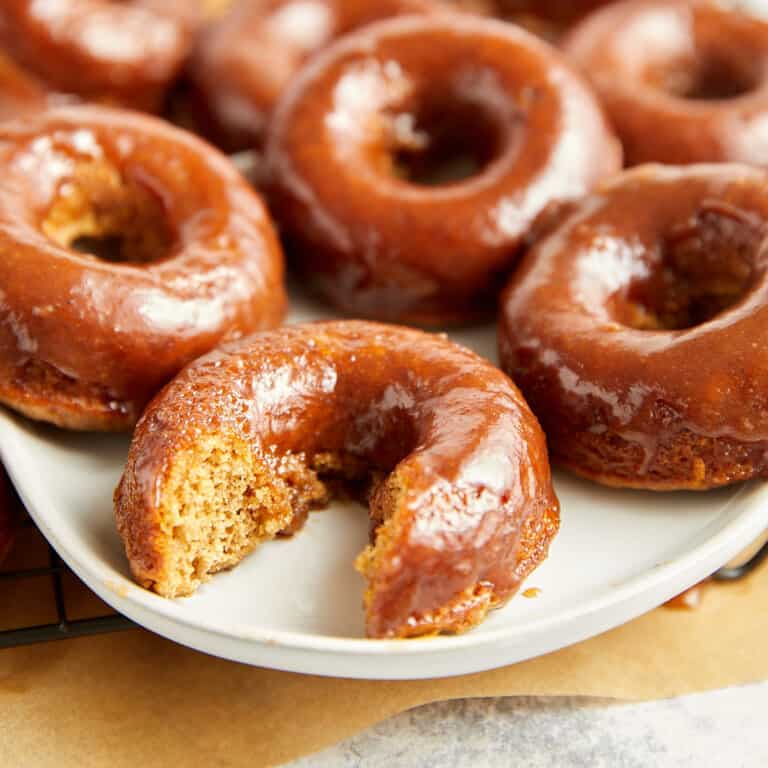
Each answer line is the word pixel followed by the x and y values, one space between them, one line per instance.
pixel 65 627
pixel 53 572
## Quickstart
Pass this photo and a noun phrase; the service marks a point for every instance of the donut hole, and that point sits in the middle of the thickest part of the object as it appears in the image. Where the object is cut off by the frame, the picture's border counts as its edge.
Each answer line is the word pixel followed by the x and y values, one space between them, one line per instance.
pixel 699 270
pixel 713 77
pixel 443 143
pixel 100 213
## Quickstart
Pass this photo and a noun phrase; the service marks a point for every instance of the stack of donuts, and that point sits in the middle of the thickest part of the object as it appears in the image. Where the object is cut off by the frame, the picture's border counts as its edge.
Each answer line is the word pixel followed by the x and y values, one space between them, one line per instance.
pixel 598 188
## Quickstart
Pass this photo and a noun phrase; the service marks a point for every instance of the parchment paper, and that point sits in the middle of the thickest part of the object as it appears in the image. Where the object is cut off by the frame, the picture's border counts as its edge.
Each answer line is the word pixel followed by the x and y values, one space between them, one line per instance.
pixel 135 699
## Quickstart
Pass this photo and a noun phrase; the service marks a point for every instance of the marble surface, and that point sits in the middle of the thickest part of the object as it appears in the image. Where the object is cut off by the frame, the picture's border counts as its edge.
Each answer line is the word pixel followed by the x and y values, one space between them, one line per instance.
pixel 727 728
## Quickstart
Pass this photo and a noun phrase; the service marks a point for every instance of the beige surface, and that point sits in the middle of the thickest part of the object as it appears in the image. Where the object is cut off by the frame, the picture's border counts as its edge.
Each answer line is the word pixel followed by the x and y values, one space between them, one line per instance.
pixel 136 699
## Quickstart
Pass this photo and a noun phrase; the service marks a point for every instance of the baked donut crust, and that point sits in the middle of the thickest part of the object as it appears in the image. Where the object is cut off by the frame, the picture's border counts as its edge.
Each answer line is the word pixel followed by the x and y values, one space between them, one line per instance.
pixel 636 329
pixel 85 342
pixel 683 81
pixel 245 440
pixel 379 245
pixel 244 62
pixel 120 53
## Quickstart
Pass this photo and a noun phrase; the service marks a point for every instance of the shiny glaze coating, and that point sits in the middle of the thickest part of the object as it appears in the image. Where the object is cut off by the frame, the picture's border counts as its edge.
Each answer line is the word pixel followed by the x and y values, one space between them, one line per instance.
pixel 682 81
pixel 381 246
pixel 84 342
pixel 473 511
pixel 125 53
pixel 245 62
pixel 19 91
pixel 547 18
pixel 662 408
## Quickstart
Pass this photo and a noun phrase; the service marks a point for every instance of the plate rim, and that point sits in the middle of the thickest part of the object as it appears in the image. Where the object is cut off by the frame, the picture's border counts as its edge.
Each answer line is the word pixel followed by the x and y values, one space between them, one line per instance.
pixel 688 567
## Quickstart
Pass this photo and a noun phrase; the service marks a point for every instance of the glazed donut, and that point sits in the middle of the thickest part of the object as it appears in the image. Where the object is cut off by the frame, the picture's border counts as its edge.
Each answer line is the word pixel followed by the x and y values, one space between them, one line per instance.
pixel 361 151
pixel 252 435
pixel 84 341
pixel 126 53
pixel 636 329
pixel 547 18
pixel 245 62
pixel 683 82
pixel 19 92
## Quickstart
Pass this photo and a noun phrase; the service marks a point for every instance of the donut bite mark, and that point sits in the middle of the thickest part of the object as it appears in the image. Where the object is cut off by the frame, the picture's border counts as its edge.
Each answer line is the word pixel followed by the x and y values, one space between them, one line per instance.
pixel 127 249
pixel 407 163
pixel 683 81
pixel 243 442
pixel 637 329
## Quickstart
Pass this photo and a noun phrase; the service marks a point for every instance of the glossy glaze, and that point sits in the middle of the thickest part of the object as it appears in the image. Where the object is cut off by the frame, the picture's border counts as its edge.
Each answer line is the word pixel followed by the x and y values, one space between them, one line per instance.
pixel 381 246
pixel 245 62
pixel 121 330
pixel 19 91
pixel 682 81
pixel 124 53
pixel 547 18
pixel 658 408
pixel 465 452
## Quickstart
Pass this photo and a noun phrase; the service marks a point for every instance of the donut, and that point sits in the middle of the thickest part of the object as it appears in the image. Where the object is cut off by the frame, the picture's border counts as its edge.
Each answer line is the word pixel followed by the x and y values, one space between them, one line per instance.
pixel 244 63
pixel 122 53
pixel 248 438
pixel 547 18
pixel 19 92
pixel 682 82
pixel 407 163
pixel 635 329
pixel 127 248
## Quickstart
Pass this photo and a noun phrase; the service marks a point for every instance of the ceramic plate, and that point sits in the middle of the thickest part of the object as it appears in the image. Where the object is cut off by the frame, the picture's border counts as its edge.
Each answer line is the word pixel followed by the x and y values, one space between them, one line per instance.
pixel 296 604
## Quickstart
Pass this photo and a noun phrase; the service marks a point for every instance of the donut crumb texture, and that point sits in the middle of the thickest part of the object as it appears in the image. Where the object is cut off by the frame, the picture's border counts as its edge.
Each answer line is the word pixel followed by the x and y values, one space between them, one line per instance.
pixel 100 212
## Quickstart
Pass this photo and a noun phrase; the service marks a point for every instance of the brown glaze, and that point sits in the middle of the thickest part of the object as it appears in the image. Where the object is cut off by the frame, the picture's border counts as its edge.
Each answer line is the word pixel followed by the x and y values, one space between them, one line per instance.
pixel 125 53
pixel 84 343
pixel 19 91
pixel 635 330
pixel 547 18
pixel 247 60
pixel 683 82
pixel 465 492
pixel 402 95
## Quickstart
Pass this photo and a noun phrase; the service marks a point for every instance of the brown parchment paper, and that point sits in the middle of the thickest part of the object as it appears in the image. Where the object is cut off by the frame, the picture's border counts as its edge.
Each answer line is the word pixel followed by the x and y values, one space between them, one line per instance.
pixel 135 699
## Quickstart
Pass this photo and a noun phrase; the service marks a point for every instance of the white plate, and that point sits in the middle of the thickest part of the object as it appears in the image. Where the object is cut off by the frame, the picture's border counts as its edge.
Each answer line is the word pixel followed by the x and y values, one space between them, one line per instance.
pixel 296 604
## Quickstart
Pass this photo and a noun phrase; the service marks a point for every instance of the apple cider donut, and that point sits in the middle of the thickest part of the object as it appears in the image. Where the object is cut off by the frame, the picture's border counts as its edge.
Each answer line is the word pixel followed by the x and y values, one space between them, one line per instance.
pixel 127 248
pixel 125 53
pixel 407 162
pixel 636 329
pixel 683 81
pixel 245 62
pixel 248 438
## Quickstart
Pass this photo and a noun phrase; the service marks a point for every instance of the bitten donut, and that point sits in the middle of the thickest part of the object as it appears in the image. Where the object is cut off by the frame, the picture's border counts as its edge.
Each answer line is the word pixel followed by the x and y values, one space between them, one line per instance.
pixel 683 82
pixel 127 248
pixel 125 53
pixel 245 62
pixel 637 330
pixel 407 162
pixel 245 440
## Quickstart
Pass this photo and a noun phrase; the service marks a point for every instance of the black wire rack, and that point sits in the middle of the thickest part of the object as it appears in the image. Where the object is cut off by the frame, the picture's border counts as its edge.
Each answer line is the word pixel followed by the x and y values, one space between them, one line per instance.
pixel 65 627
pixel 54 572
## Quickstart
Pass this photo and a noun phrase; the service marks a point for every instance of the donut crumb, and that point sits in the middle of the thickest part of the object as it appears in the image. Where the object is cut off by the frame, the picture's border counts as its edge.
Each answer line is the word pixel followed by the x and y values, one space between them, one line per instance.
pixel 99 212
